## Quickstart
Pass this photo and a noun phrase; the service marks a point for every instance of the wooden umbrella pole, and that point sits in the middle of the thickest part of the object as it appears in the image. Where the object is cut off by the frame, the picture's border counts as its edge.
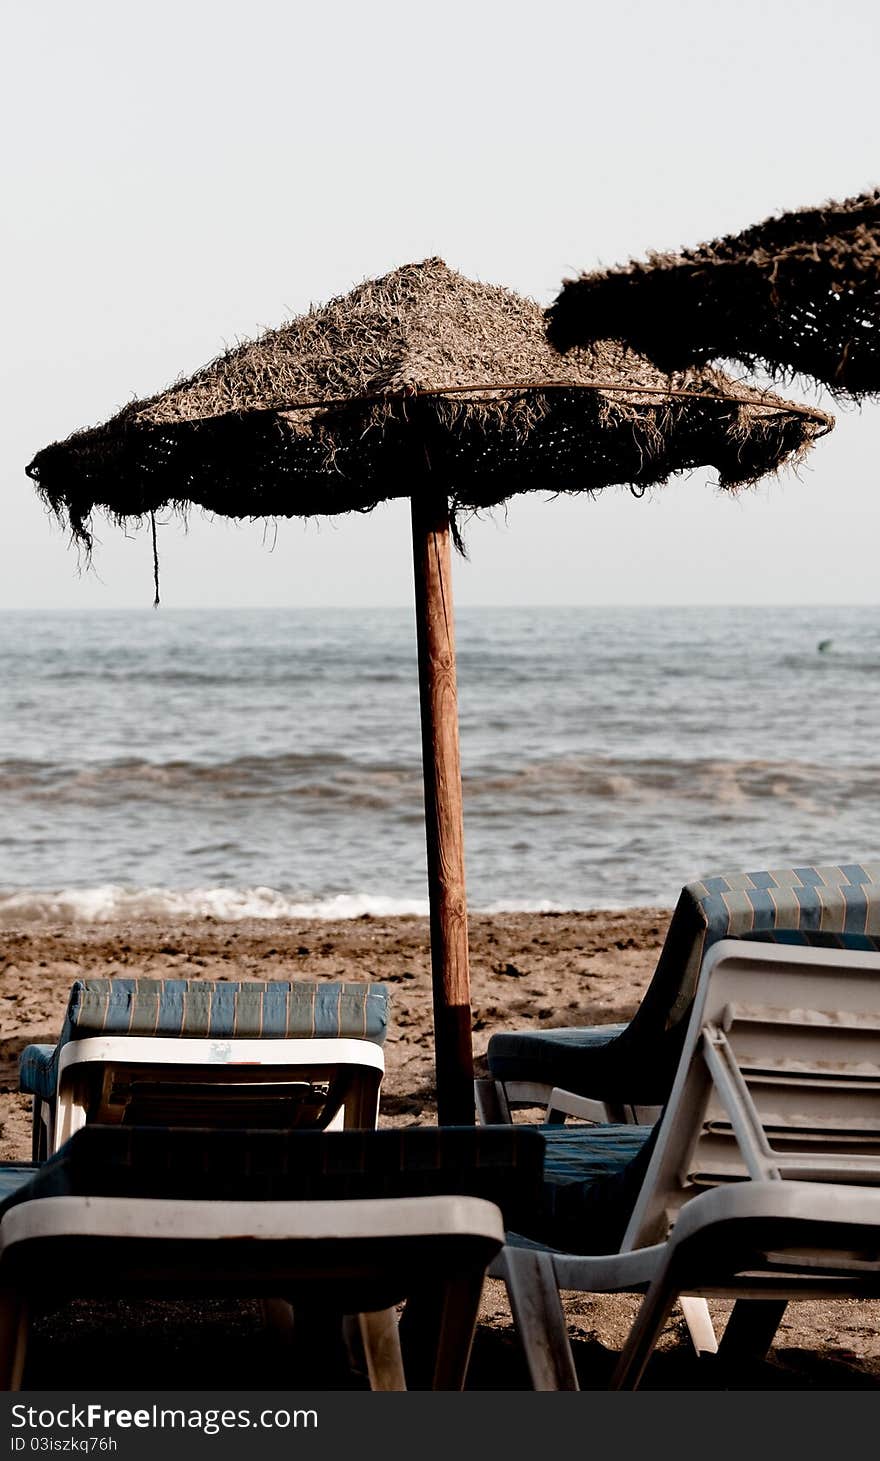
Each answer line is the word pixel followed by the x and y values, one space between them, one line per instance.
pixel 444 821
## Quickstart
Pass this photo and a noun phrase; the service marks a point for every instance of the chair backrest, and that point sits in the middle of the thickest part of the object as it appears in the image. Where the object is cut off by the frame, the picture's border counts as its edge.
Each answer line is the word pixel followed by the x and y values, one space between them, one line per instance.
pixel 226 1009
pixel 779 1077
pixel 778 905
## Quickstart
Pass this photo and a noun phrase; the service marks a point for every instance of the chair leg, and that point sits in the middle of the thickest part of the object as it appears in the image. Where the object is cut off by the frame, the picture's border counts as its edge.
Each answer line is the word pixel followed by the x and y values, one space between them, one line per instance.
pixel 42 1130
pixel 458 1320
pixel 361 1104
pixel 37 1130
pixel 354 1344
pixel 643 1336
pixel 317 1349
pixel 700 1327
pixel 382 1349
pixel 750 1329
pixel 70 1115
pixel 537 1313
pixel 278 1319
pixel 13 1338
pixel 420 1323
pixel 491 1103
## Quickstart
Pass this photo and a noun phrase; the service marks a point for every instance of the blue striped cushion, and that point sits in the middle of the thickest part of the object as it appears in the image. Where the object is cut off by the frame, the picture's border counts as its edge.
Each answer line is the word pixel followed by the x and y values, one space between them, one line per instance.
pixel 637 1066
pixel 841 899
pixel 215 1009
pixel 861 943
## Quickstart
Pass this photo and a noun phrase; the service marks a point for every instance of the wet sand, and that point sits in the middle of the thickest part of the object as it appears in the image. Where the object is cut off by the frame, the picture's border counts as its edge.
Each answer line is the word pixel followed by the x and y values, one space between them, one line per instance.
pixel 542 969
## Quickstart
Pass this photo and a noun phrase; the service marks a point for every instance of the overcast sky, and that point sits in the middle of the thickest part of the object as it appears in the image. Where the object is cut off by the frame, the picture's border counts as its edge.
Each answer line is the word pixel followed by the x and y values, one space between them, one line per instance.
pixel 186 173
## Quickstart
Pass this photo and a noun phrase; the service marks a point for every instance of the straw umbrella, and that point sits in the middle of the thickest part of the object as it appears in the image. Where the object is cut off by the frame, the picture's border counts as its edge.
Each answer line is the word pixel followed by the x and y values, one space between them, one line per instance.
pixel 425 385
pixel 798 295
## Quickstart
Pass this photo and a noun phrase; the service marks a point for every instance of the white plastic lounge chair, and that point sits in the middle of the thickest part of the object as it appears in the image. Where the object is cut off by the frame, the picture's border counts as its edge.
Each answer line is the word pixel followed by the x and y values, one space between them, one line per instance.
pixel 301 1248
pixel 763 1180
pixel 115 1213
pixel 625 1072
pixel 209 1052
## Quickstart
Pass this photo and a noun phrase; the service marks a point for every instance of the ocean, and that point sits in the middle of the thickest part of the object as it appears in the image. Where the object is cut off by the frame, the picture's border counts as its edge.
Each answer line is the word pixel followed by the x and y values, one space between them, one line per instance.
pixel 246 763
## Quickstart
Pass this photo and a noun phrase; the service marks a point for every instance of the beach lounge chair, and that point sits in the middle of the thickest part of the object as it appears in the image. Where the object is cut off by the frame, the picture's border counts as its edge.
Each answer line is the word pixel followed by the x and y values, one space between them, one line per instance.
pixel 351 1221
pixel 761 1182
pixel 207 1052
pixel 623 1073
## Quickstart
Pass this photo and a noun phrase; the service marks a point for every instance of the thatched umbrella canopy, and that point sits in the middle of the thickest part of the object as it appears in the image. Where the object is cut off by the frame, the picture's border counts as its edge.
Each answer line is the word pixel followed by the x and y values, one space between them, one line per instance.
pixel 797 295
pixel 333 412
pixel 425 385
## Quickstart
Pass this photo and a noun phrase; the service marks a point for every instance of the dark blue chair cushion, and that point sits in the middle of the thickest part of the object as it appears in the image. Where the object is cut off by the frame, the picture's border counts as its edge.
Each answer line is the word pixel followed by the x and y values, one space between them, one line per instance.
pixel 569 1187
pixel 38 1071
pixel 13 1176
pixel 546 1055
pixel 592 1178
pixel 503 1164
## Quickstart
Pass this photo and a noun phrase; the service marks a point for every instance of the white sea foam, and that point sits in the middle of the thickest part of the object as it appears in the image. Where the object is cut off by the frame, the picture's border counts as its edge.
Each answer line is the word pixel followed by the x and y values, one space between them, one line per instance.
pixel 112 903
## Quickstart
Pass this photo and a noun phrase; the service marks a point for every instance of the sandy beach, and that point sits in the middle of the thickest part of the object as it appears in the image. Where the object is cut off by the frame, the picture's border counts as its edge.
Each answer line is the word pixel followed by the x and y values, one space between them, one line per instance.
pixel 546 969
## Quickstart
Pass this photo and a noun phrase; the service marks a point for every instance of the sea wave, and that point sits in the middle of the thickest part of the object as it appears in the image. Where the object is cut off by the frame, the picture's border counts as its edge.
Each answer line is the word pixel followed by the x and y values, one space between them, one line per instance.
pixel 111 903
pixel 236 764
pixel 284 677
pixel 320 774
pixel 715 782
pixel 367 783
